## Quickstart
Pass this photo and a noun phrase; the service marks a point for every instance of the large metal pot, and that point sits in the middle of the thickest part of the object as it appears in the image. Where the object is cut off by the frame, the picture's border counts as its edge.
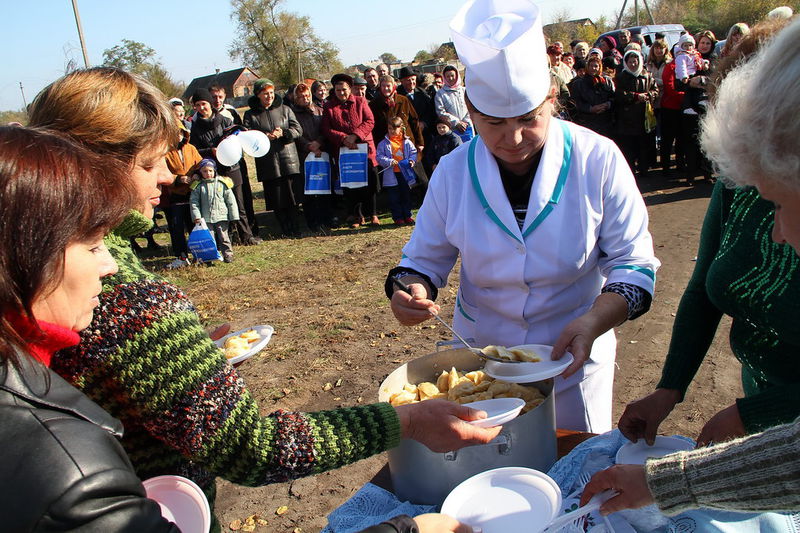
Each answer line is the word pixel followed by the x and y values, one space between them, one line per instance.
pixel 424 477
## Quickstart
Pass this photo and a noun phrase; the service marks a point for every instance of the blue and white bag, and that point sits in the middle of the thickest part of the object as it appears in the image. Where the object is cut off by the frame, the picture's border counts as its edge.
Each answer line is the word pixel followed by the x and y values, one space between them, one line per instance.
pixel 202 244
pixel 353 166
pixel 318 174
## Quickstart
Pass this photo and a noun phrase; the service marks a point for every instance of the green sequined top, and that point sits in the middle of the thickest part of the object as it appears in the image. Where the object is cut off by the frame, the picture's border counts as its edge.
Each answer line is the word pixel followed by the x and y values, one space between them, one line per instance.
pixel 742 273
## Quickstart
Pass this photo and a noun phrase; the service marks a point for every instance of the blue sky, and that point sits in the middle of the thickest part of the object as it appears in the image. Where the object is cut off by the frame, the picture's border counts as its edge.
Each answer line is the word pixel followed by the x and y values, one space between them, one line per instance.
pixel 40 36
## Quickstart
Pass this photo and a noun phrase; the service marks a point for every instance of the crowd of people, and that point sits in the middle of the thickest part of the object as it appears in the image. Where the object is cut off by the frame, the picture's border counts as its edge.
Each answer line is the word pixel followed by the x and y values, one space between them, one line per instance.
pixel 421 118
pixel 90 341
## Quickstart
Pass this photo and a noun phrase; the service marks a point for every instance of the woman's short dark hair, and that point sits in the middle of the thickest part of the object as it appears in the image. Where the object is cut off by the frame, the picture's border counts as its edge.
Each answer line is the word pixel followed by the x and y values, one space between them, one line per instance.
pixel 53 192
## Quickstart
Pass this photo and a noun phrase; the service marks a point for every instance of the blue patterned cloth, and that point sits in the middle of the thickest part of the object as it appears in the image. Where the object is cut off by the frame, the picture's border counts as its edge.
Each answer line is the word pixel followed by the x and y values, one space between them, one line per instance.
pixel 372 505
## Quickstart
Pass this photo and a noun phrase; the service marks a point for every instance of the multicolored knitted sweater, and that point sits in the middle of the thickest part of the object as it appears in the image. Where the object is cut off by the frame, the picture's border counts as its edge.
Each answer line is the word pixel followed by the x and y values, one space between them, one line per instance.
pixel 147 360
pixel 742 273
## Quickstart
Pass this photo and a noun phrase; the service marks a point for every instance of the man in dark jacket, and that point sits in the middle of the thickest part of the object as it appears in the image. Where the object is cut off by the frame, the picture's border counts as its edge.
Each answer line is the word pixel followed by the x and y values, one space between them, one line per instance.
pixel 423 105
pixel 371 75
pixel 218 103
pixel 208 130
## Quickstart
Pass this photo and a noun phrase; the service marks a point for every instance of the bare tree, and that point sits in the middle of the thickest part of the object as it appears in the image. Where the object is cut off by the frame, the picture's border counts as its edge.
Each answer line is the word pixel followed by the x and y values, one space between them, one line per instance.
pixel 280 45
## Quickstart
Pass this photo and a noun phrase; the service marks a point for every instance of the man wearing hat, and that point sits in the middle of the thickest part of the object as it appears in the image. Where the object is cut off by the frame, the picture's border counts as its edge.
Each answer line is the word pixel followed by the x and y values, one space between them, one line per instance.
pixel 208 130
pixel 360 87
pixel 545 216
pixel 423 105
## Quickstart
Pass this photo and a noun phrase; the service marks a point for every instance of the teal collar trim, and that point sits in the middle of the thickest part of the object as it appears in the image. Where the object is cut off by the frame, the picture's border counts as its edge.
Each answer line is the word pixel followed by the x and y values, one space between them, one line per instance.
pixel 555 197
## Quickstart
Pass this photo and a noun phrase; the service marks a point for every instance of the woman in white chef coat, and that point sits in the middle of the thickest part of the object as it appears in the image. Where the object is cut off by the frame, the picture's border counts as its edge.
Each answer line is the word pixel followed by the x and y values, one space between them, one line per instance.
pixel 545 215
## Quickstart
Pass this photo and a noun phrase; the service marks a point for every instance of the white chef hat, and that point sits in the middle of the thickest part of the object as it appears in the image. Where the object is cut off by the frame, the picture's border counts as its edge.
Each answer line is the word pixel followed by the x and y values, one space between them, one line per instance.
pixel 502 45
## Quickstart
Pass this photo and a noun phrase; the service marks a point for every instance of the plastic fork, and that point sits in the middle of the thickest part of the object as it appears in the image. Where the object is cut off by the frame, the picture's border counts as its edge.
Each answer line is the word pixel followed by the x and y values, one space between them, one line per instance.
pixel 570 518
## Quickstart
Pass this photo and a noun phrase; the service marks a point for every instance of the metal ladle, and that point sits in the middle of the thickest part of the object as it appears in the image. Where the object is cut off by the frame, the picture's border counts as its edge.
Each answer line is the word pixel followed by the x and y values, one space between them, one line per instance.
pixel 403 287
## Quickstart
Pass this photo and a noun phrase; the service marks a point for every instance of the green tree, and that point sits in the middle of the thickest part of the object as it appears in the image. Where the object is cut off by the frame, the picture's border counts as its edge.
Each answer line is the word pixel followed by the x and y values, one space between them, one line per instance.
pixel 129 55
pixel 13 116
pixel 139 58
pixel 423 56
pixel 280 45
pixel 388 58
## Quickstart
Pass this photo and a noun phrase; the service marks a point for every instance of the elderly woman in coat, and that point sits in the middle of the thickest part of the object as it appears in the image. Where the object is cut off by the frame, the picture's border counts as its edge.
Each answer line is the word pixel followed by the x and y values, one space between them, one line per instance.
pixel 316 207
pixel 348 121
pixel 279 169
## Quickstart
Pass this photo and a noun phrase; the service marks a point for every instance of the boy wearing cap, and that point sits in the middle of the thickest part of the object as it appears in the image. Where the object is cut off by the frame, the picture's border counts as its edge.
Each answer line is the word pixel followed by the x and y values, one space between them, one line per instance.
pixel 212 200
pixel 545 216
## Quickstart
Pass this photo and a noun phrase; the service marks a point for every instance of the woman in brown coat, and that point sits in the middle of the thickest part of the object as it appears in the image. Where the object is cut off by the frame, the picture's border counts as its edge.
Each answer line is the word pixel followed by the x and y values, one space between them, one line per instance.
pixel 387 105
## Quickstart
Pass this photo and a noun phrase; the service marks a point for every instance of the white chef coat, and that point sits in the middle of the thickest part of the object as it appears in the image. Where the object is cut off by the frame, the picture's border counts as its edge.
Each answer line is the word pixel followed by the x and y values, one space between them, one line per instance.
pixel 586 227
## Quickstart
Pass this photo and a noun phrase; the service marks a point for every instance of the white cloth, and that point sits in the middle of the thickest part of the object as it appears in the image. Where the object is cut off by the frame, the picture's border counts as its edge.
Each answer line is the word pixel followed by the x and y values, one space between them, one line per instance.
pixel 524 287
pixel 450 103
pixel 502 45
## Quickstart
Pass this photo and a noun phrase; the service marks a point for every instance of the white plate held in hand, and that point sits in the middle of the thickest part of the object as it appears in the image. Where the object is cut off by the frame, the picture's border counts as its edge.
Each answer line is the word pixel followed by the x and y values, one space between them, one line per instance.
pixel 264 331
pixel 637 453
pixel 498 411
pixel 530 372
pixel 505 500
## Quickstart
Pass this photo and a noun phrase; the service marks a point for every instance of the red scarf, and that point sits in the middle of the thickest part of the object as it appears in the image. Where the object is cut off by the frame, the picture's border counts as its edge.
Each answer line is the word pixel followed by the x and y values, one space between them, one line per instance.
pixel 43 344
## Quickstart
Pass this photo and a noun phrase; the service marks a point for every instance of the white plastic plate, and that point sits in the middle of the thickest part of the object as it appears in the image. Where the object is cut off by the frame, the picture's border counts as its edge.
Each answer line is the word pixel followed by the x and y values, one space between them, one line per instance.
pixel 266 334
pixel 529 372
pixel 637 453
pixel 505 500
pixel 182 502
pixel 498 411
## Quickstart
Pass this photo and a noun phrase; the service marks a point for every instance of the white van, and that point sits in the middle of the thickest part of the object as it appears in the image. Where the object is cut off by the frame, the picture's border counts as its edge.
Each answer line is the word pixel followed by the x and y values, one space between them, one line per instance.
pixel 672 32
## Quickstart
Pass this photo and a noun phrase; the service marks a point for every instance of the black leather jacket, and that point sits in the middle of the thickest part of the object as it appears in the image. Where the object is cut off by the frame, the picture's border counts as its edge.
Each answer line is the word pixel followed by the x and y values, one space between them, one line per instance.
pixel 62 468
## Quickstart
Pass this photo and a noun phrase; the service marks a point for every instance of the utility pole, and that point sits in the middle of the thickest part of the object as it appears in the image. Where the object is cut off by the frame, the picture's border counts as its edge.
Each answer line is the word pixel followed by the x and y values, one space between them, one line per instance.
pixel 80 33
pixel 24 103
pixel 636 12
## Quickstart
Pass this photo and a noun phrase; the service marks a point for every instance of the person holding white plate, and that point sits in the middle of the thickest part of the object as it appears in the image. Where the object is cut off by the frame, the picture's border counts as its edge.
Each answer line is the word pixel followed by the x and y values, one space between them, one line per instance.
pixel 760 472
pixel 545 216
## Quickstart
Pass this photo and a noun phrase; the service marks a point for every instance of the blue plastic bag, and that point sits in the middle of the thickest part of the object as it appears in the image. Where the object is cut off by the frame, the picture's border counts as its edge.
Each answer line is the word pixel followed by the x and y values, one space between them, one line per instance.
pixel 202 244
pixel 318 174
pixel 467 135
pixel 353 167
pixel 408 172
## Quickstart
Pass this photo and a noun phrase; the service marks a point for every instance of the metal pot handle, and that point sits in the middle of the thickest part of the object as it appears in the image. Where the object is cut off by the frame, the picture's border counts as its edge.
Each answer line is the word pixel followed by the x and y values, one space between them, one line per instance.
pixel 502 441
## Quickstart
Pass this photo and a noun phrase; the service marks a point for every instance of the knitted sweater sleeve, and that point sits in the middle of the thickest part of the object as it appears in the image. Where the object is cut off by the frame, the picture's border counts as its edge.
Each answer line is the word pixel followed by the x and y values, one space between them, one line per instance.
pixel 697 318
pixel 148 361
pixel 756 473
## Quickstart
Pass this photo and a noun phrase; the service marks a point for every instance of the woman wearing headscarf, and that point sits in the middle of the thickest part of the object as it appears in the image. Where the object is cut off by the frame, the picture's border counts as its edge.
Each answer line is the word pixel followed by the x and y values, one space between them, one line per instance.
pixel 635 89
pixel 347 121
pixel 316 207
pixel 544 215
pixel 389 104
pixel 63 468
pixel 657 59
pixel 193 415
pixel 593 95
pixel 449 101
pixel 279 169
pixel 748 263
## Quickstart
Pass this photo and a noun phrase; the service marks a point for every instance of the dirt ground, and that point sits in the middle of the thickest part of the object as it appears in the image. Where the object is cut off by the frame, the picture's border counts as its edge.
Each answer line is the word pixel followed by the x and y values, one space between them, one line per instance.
pixel 333 323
